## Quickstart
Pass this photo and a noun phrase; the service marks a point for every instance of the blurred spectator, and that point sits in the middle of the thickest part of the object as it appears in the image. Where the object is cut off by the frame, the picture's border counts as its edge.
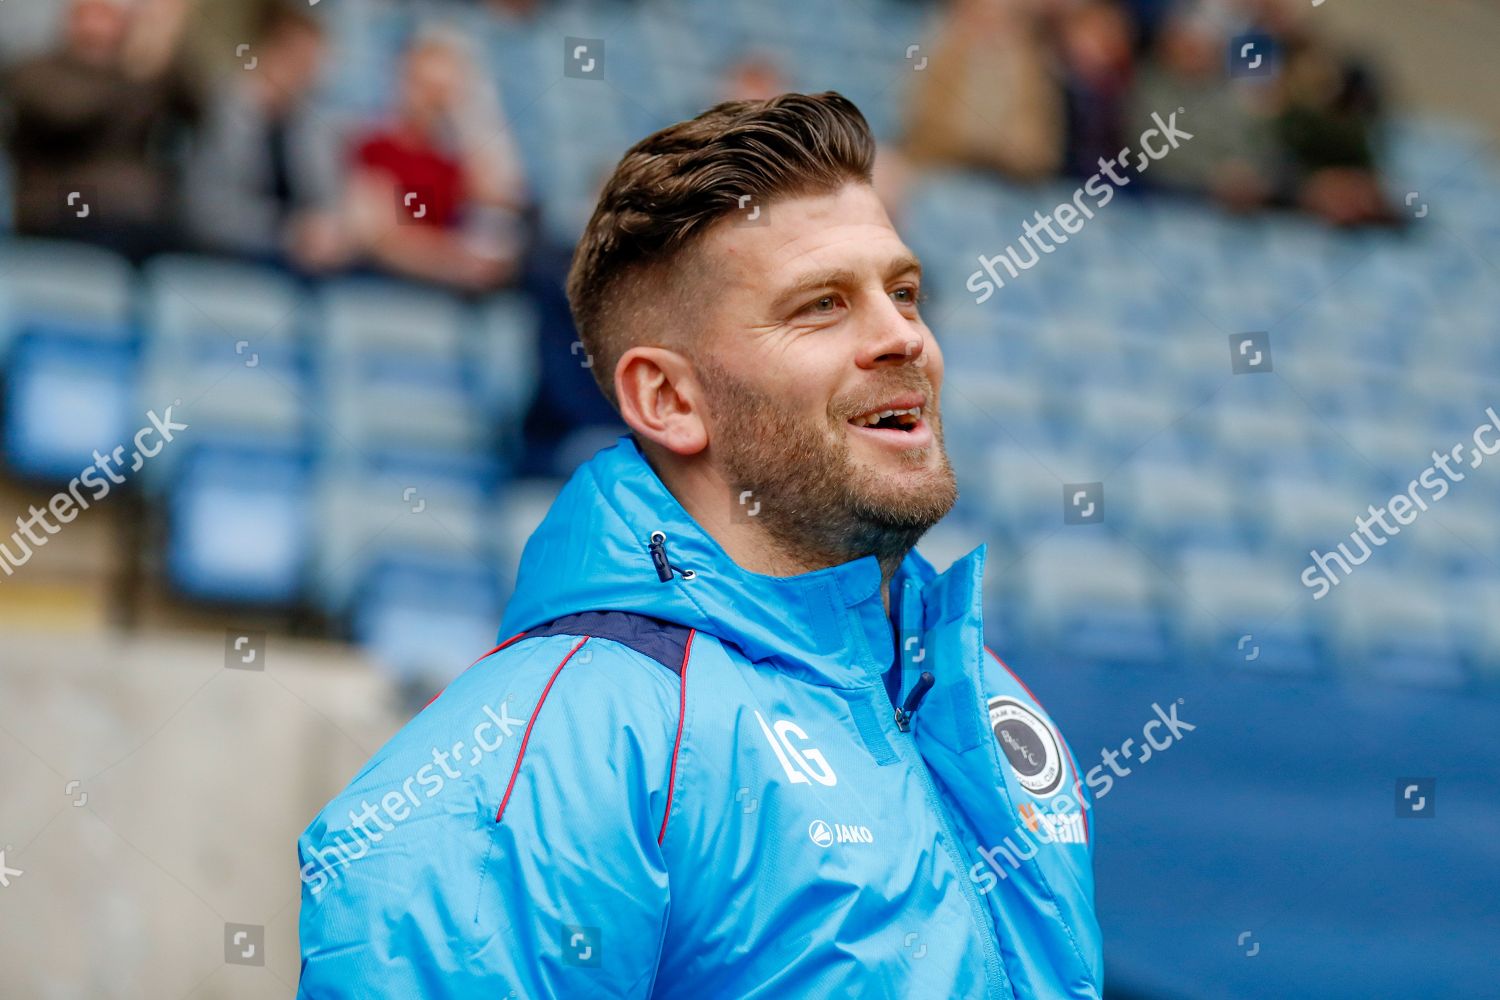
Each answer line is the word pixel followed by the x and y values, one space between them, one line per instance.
pixel 754 77
pixel 983 96
pixel 95 125
pixel 438 193
pixel 1096 40
pixel 1327 115
pixel 216 29
pixel 1232 156
pixel 568 414
pixel 265 178
pixel 1149 17
pixel 1330 111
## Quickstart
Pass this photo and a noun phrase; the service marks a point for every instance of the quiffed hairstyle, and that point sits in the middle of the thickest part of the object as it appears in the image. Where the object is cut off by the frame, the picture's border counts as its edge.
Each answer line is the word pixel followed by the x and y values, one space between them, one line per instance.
pixel 670 187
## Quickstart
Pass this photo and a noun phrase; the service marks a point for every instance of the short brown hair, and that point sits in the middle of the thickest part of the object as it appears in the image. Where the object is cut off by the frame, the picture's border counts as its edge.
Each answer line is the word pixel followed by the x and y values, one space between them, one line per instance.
pixel 670 187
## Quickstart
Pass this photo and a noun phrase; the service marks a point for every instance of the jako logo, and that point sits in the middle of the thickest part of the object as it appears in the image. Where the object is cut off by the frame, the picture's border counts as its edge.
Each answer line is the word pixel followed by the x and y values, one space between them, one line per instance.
pixel 823 834
pixel 800 764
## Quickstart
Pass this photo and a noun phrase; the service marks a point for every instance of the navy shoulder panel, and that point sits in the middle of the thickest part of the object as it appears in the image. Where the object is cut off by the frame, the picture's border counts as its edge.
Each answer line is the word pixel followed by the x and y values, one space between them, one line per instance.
pixel 661 640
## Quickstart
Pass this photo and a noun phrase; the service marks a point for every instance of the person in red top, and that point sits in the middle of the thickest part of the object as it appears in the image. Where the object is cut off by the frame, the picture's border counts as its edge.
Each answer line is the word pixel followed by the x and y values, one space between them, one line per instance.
pixel 437 193
pixel 438 178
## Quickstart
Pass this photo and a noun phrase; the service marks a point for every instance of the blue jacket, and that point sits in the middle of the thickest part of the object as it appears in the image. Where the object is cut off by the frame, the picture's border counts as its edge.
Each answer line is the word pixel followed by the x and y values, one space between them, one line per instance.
pixel 679 779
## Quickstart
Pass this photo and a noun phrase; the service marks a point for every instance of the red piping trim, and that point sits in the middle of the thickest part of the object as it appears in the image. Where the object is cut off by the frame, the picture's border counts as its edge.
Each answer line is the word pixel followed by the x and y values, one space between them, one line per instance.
pixel 676 746
pixel 1077 787
pixel 527 737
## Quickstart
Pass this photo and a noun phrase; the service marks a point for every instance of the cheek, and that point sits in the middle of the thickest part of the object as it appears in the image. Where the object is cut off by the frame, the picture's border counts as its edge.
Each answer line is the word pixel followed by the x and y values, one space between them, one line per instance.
pixel 934 362
pixel 806 382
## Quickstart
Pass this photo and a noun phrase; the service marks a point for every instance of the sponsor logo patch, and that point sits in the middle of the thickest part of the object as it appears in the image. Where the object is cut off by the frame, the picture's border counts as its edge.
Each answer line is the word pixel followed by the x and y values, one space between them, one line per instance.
pixel 1053 828
pixel 826 834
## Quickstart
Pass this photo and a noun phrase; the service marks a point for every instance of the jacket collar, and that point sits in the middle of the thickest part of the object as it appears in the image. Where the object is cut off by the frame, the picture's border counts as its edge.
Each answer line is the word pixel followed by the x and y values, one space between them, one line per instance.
pixel 592 552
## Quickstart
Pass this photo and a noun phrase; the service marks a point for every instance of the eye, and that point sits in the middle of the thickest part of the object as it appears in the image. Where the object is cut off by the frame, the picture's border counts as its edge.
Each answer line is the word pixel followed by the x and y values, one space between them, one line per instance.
pixel 822 304
pixel 909 296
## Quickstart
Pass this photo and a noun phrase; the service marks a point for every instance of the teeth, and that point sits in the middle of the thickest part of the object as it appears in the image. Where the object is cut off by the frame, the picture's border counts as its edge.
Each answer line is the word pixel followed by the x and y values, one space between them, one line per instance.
pixel 872 418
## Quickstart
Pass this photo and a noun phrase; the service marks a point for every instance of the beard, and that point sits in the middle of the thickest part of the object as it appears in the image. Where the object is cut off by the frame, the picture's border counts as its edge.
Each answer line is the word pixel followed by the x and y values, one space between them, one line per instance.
pixel 817 501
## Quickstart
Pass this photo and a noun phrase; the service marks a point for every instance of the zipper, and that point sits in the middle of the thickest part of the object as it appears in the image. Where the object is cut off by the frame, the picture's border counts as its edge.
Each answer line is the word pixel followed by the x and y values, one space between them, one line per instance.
pixel 914 700
pixel 665 567
pixel 989 931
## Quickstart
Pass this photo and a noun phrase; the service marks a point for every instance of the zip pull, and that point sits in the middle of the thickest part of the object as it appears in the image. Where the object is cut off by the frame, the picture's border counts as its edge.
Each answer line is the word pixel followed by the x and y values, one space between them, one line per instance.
pixel 913 699
pixel 664 568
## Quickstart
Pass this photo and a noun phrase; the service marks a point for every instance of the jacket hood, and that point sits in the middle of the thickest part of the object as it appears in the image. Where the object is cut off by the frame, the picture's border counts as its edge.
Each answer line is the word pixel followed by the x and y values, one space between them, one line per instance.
pixel 593 552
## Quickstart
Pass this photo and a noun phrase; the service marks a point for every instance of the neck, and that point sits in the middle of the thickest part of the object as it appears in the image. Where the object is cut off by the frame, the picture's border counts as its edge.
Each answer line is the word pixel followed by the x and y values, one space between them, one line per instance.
pixel 749 540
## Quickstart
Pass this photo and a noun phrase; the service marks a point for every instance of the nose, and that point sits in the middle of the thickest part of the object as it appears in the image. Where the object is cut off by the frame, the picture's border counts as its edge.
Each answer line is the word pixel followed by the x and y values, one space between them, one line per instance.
pixel 893 339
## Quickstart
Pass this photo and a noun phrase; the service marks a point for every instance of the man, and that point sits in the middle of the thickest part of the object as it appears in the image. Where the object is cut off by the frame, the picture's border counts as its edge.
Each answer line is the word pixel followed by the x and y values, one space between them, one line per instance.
pixel 265 178
pixel 90 121
pixel 741 740
pixel 437 191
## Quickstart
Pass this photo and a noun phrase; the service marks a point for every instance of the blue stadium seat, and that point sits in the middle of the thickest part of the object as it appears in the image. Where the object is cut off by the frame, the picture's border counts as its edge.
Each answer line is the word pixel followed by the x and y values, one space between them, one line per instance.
pixel 240 526
pixel 1477 621
pixel 400 392
pixel 1176 505
pixel 504 349
pixel 982 409
pixel 379 325
pixel 515 514
pixel 1226 594
pixel 1393 627
pixel 1088 596
pixel 194 305
pixel 225 338
pixel 425 619
pixel 1259 439
pixel 367 517
pixel 69 355
pixel 73 285
pixel 1304 513
pixel 67 395
pixel 1022 486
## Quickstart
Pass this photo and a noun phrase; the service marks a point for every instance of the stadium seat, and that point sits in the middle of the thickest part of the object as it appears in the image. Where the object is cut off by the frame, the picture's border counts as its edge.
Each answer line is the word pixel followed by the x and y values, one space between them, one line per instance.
pixel 240 526
pixel 67 395
pixel 1386 629
pixel 1093 598
pixel 504 346
pixel 75 286
pixel 1228 594
pixel 225 338
pixel 1176 506
pixel 515 514
pixel 368 519
pixel 1022 487
pixel 425 619
pixel 69 354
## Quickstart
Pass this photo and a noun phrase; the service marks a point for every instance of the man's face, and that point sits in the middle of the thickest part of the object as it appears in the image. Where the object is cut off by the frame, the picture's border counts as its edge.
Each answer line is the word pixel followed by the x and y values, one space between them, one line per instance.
pixel 433 82
pixel 95 30
pixel 295 59
pixel 813 333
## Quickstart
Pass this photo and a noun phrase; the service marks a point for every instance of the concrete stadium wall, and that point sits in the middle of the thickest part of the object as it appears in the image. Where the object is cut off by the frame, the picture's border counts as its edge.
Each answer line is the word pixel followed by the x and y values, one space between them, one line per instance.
pixel 193 783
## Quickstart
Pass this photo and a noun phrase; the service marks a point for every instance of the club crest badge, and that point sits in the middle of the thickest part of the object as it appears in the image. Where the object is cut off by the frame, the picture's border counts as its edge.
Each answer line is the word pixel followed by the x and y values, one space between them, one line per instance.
pixel 1028 744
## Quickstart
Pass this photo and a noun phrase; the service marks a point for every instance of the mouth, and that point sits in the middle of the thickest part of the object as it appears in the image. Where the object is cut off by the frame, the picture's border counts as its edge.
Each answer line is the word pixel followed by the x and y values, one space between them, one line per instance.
pixel 897 422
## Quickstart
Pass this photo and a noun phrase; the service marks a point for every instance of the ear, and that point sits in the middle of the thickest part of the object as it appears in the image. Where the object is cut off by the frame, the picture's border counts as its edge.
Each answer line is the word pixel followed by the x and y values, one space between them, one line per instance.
pixel 660 399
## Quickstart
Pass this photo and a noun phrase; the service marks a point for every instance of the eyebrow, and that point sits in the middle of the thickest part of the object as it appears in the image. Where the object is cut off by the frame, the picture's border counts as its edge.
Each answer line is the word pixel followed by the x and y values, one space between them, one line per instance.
pixel 841 276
